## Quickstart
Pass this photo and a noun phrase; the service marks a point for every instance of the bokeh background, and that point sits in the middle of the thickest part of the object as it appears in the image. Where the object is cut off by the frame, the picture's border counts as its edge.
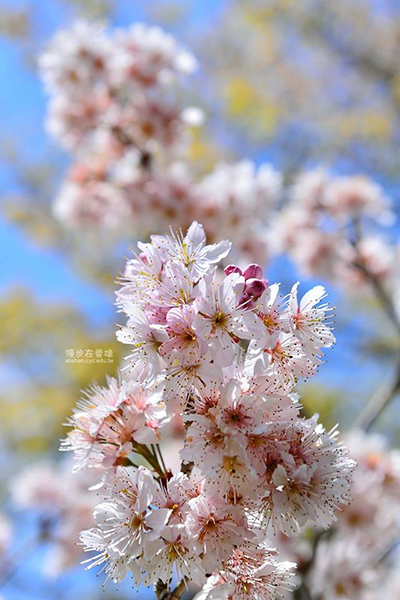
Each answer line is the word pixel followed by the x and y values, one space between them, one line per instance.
pixel 296 83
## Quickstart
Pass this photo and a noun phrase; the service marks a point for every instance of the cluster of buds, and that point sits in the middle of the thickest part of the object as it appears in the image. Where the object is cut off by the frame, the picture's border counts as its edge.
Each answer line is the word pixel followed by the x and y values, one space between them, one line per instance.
pixel 222 352
pixel 254 284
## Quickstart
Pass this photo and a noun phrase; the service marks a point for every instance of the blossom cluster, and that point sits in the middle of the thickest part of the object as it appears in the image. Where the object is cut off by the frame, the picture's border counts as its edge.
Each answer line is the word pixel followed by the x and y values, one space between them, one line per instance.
pixel 222 351
pixel 86 71
pixel 350 564
pixel 332 226
pixel 215 351
pixel 357 559
pixel 111 421
pixel 113 105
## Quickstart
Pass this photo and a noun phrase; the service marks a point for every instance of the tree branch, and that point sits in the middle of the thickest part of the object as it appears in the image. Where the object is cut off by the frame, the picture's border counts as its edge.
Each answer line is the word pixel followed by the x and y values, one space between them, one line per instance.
pixel 385 394
pixel 380 293
pixel 379 401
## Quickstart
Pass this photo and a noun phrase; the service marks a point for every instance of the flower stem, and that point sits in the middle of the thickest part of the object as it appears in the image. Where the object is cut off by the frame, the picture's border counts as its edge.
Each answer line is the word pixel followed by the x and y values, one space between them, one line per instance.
pixel 164 593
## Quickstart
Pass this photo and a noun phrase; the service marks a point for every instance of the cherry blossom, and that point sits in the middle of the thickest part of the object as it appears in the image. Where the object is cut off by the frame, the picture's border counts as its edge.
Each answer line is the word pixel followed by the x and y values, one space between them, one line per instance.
pixel 103 436
pixel 332 226
pixel 120 101
pixel 218 352
pixel 215 351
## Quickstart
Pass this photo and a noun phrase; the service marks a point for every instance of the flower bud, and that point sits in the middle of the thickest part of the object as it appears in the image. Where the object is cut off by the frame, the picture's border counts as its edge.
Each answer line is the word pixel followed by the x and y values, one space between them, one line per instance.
pixel 255 287
pixel 253 271
pixel 232 269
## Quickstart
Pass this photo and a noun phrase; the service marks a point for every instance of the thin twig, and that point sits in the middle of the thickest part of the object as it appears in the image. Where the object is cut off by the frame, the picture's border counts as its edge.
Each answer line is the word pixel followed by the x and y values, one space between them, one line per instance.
pixel 178 591
pixel 380 293
pixel 161 590
pixel 302 592
pixel 161 458
pixel 164 593
pixel 144 451
pixel 379 401
pixel 385 394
